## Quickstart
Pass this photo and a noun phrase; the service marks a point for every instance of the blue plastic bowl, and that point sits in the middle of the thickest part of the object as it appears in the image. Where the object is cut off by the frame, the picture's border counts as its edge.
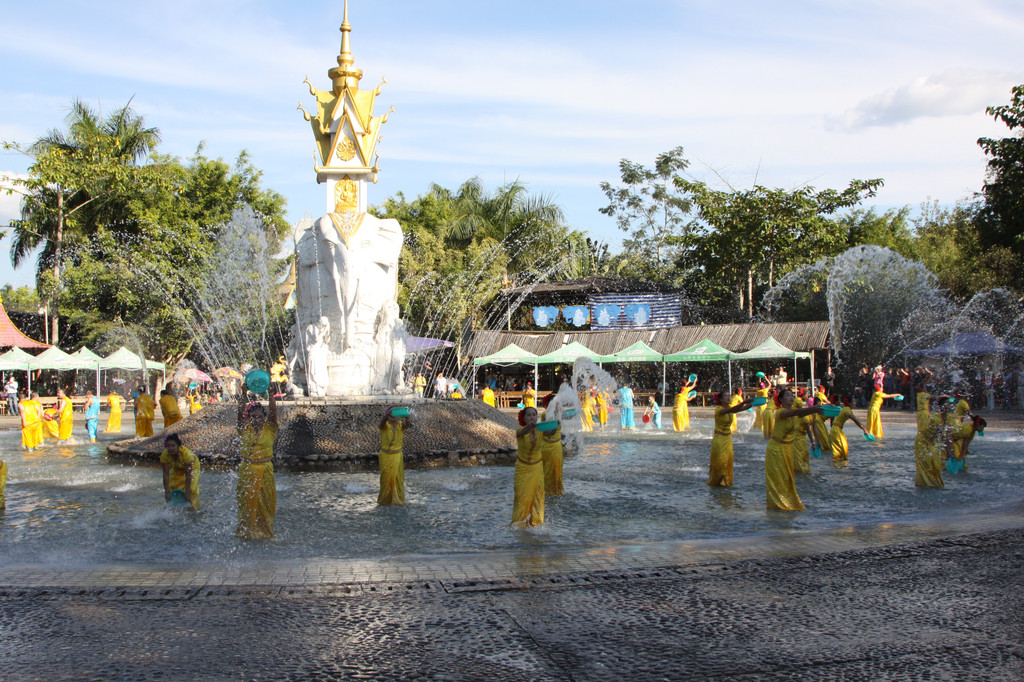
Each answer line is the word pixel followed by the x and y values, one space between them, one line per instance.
pixel 759 401
pixel 760 375
pixel 399 412
pixel 869 438
pixel 177 498
pixel 520 405
pixel 550 425
pixel 258 381
pixel 897 398
pixel 693 394
pixel 831 410
pixel 569 414
pixel 816 452
pixel 692 378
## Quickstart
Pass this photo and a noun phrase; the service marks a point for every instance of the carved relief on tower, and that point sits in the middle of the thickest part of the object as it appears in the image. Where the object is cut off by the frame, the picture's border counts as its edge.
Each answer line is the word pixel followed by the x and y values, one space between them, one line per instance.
pixel 346 148
pixel 346 196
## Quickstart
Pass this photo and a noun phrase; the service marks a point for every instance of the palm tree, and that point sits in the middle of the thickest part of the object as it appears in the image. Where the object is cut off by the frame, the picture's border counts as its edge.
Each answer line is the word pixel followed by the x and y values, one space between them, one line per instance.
pixel 526 226
pixel 72 189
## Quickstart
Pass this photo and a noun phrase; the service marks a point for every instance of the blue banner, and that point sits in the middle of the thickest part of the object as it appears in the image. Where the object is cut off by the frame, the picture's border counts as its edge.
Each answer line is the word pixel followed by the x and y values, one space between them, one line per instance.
pixel 606 314
pixel 545 315
pixel 576 315
pixel 638 313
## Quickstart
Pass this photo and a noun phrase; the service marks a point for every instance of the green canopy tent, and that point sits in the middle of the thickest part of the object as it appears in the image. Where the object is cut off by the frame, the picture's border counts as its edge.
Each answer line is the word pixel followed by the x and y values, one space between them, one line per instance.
pixel 56 359
pixel 17 360
pixel 123 358
pixel 94 361
pixel 771 349
pixel 640 352
pixel 705 351
pixel 510 355
pixel 568 354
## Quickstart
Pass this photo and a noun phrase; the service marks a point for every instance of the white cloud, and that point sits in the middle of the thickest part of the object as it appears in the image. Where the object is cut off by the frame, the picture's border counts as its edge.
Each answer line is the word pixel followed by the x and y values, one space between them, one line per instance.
pixel 956 92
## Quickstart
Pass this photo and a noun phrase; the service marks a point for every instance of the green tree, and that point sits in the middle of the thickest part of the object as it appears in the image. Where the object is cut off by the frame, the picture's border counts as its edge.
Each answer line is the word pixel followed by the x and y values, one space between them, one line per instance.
pixel 20 300
pixel 527 226
pixel 1001 222
pixel 891 229
pixel 949 243
pixel 73 186
pixel 149 272
pixel 747 239
pixel 650 208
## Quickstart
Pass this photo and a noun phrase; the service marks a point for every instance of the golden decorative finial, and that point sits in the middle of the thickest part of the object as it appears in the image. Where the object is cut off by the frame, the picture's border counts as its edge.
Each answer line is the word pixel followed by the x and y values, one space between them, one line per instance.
pixel 345 74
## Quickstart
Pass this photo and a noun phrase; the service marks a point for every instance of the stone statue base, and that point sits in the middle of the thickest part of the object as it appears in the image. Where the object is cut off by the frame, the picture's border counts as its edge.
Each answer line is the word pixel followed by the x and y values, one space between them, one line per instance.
pixel 342 435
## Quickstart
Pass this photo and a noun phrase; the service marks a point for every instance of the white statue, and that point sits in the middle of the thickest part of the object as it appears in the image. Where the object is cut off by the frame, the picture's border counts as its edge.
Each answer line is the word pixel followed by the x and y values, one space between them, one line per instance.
pixel 346 285
pixel 317 339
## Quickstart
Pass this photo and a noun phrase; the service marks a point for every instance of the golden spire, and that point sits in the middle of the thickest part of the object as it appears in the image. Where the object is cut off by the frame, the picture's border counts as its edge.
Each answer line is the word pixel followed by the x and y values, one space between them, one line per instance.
pixel 345 74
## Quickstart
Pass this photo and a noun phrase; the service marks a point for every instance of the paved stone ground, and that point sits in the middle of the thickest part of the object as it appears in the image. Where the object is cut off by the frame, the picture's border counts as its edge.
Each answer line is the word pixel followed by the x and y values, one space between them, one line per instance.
pixel 946 608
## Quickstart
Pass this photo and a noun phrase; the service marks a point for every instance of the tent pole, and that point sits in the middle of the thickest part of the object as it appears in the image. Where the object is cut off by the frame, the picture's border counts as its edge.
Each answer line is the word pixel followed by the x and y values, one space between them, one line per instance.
pixel 664 386
pixel 812 371
pixel 536 379
pixel 730 376
pixel 794 372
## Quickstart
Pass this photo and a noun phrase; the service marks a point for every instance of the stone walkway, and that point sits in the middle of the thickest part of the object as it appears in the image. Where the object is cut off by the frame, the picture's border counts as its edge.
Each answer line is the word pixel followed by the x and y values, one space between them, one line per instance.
pixel 933 600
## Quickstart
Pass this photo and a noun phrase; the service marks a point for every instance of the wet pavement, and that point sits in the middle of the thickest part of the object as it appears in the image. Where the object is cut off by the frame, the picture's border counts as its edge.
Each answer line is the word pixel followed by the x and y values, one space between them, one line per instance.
pixel 929 599
pixel 932 600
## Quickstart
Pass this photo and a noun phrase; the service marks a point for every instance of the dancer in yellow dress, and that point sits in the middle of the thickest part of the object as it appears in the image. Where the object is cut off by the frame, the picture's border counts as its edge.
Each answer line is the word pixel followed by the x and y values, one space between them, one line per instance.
pixel 720 469
pixel 587 410
pixel 962 413
pixel 801 447
pixel 392 459
pixel 875 410
pixel 31 422
pixel 927 457
pixel 768 416
pixel 551 455
pixel 602 408
pixel 681 407
pixel 114 404
pixel 145 412
pixel 761 392
pixel 181 470
pixel 66 415
pixel 734 400
pixel 51 423
pixel 3 485
pixel 821 430
pixel 256 492
pixel 780 483
pixel 194 403
pixel 530 396
pixel 487 395
pixel 528 498
pixel 837 439
pixel 169 407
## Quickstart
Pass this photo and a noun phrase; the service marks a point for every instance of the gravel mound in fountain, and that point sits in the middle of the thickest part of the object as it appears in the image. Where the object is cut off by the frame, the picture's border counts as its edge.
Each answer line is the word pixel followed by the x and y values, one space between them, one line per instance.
pixel 344 436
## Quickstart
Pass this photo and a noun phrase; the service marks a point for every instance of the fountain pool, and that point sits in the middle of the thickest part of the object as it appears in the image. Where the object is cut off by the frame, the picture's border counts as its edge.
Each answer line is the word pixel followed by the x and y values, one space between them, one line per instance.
pixel 71 507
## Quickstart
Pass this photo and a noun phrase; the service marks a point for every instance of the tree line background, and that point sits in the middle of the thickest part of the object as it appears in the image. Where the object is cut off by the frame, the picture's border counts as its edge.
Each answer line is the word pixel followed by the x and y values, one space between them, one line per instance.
pixel 127 241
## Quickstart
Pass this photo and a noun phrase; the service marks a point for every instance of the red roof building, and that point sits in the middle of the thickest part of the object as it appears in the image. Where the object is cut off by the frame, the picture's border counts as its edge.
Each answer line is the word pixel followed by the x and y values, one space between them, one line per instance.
pixel 10 335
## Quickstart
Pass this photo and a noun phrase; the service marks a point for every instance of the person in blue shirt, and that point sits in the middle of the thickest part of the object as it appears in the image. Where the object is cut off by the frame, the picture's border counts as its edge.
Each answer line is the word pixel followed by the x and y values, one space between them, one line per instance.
pixel 626 408
pixel 92 415
pixel 654 409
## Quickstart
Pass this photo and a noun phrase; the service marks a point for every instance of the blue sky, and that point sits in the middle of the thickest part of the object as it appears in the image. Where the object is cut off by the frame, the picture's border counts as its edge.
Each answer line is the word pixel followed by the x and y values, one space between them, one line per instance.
pixel 553 93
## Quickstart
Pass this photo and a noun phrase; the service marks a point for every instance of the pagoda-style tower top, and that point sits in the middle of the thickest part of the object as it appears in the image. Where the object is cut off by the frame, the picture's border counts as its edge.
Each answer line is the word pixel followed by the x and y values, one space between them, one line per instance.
pixel 346 131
